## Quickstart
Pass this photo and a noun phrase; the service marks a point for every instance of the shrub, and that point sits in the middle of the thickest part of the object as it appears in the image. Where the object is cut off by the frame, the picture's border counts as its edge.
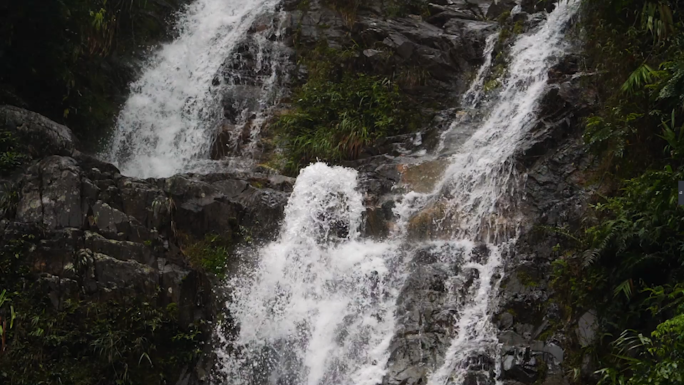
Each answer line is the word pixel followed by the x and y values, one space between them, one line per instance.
pixel 338 112
pixel 211 253
pixel 632 246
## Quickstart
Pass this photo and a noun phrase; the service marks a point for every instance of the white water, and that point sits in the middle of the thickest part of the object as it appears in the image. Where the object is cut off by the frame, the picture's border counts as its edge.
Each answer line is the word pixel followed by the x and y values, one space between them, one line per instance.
pixel 318 306
pixel 480 187
pixel 173 111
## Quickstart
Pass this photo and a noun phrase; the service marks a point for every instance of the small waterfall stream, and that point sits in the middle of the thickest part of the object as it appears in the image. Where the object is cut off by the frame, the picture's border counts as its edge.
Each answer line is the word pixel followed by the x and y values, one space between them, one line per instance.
pixel 318 308
pixel 320 305
pixel 174 112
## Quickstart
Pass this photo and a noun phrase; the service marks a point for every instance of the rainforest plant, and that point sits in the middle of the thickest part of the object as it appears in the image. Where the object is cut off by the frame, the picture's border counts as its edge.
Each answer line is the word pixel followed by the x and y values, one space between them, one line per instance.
pixel 338 112
pixel 629 259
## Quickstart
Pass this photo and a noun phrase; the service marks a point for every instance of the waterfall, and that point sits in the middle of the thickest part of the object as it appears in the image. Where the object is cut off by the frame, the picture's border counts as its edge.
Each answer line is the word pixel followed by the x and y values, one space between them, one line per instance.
pixel 322 305
pixel 318 308
pixel 174 111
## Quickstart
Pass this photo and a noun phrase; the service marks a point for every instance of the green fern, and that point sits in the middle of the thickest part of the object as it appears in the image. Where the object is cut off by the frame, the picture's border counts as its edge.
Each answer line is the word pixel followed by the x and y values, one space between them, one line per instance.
pixel 625 288
pixel 641 77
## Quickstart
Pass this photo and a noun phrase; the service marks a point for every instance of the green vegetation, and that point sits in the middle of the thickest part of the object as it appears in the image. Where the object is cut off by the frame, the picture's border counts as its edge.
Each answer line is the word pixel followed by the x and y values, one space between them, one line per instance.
pixel 628 261
pixel 655 357
pixel 210 254
pixel 9 199
pixel 69 60
pixel 84 341
pixel 11 155
pixel 526 279
pixel 503 18
pixel 338 112
pixel 402 8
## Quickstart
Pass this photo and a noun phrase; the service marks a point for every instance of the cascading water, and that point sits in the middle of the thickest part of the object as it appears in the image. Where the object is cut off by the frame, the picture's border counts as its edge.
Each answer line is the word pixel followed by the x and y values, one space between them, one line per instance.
pixel 318 308
pixel 174 111
pixel 323 306
pixel 479 190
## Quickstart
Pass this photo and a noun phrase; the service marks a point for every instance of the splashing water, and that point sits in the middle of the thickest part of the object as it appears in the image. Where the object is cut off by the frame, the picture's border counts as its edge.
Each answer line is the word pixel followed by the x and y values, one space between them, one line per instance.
pixel 321 304
pixel 174 110
pixel 318 308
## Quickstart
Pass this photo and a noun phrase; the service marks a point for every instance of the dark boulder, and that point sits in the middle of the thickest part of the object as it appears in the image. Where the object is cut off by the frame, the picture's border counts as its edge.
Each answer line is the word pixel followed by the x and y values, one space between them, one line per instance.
pixel 533 6
pixel 498 7
pixel 41 135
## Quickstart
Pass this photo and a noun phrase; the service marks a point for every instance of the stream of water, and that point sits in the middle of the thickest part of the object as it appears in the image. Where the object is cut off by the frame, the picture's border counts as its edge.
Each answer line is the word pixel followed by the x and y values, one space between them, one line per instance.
pixel 320 305
pixel 171 118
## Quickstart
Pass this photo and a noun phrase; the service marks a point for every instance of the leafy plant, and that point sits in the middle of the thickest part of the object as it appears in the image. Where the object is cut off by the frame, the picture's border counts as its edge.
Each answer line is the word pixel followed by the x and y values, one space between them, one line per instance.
pixel 84 341
pixel 9 199
pixel 338 112
pixel 4 325
pixel 11 155
pixel 211 253
pixel 654 358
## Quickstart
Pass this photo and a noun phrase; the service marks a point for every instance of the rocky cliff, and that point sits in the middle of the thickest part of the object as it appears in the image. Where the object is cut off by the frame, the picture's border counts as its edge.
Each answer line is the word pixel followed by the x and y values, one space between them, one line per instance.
pixel 78 233
pixel 84 236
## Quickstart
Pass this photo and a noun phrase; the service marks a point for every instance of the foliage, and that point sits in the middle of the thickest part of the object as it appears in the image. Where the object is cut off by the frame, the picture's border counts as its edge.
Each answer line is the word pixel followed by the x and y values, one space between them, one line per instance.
pixel 638 48
pixel 629 258
pixel 90 343
pixel 68 59
pixel 337 112
pixel 651 359
pixel 11 155
pixel 211 253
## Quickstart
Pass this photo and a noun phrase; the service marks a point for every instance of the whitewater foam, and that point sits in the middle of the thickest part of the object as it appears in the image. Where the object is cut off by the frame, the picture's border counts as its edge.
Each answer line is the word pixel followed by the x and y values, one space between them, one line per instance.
pixel 174 110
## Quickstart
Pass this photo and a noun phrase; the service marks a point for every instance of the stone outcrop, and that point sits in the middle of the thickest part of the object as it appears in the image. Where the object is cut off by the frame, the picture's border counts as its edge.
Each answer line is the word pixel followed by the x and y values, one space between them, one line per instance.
pixel 41 135
pixel 555 164
pixel 447 45
pixel 97 235
pixel 433 55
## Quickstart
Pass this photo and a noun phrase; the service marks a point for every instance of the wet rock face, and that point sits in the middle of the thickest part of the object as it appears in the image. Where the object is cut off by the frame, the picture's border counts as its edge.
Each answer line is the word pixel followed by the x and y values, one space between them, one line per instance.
pixel 532 6
pixel 446 51
pixel 424 321
pixel 553 160
pixel 428 308
pixel 499 7
pixel 98 235
pixel 434 54
pixel 251 82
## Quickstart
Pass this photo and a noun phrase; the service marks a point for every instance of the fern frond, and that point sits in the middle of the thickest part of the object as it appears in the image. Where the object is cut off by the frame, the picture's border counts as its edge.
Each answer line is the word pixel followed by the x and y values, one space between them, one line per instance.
pixel 641 77
pixel 625 288
pixel 589 257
